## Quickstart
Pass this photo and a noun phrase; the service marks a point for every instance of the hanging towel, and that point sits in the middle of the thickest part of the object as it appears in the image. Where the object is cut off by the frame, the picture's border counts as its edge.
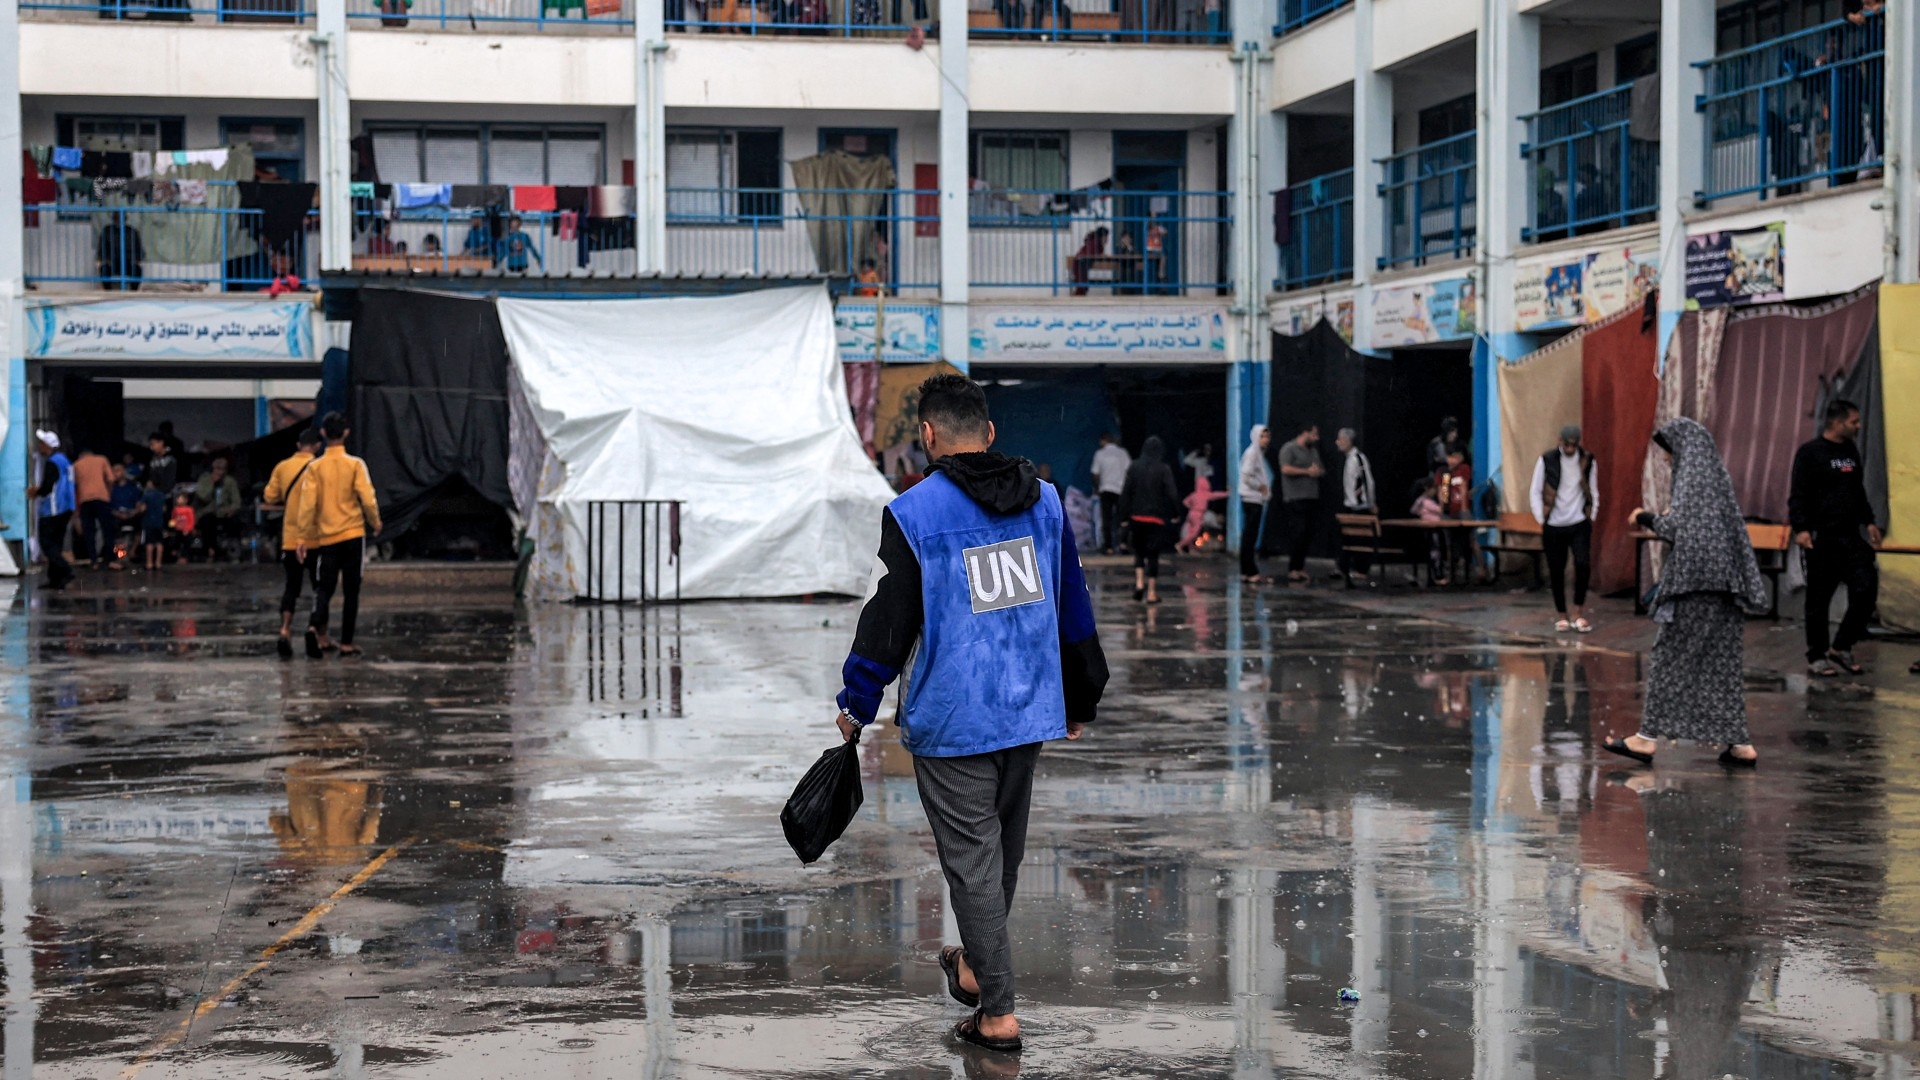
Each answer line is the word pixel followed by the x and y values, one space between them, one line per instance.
pixel 117 164
pixel 610 201
pixel 480 196
pixel 191 192
pixel 572 198
pixel 142 164
pixel 360 189
pixel 66 157
pixel 37 191
pixel 105 187
pixel 409 196
pixel 283 208
pixel 533 199
pixel 217 159
pixel 566 225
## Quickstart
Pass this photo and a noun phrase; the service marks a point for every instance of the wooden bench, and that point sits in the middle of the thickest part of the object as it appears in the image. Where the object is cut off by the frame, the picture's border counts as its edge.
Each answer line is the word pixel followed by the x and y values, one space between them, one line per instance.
pixel 1361 537
pixel 1520 535
pixel 1769 542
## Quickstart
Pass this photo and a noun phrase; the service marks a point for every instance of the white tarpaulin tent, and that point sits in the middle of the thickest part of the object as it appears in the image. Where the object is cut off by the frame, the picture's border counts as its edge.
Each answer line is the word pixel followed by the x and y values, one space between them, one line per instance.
pixel 734 404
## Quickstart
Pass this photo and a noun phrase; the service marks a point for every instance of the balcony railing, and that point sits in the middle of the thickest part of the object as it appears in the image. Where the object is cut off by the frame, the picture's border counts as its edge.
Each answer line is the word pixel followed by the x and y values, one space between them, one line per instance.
pixel 1795 110
pixel 1318 247
pixel 1427 195
pixel 1158 21
pixel 493 16
pixel 81 244
pixel 204 12
pixel 1165 243
pixel 1588 171
pixel 1295 14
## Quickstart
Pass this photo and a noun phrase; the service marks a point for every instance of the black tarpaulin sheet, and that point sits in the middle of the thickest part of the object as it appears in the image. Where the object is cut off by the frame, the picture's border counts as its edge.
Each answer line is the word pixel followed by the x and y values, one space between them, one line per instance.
pixel 1394 403
pixel 1051 416
pixel 428 399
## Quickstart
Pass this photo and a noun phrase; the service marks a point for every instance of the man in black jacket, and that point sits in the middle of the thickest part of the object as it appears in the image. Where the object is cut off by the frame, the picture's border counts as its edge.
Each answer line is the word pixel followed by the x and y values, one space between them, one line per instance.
pixel 1828 510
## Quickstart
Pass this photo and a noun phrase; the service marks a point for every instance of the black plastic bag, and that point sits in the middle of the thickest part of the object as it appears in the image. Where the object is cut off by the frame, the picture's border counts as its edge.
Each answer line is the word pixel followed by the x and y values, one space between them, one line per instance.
pixel 824 802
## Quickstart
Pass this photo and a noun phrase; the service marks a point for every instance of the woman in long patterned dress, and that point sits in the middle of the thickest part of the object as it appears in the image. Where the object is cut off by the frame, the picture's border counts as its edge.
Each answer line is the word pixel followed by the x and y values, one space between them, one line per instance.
pixel 1709 584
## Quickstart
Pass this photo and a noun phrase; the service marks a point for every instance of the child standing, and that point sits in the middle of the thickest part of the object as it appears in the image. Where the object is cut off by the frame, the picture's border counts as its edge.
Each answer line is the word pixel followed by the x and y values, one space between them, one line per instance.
pixel 153 523
pixel 181 521
pixel 1428 508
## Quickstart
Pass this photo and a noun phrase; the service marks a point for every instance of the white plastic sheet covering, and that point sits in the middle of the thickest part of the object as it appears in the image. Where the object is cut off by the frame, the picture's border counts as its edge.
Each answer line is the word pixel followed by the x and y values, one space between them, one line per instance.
pixel 734 404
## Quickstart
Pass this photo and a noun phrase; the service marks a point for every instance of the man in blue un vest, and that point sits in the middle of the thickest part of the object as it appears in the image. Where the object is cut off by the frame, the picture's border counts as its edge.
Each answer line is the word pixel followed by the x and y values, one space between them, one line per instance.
pixel 983 596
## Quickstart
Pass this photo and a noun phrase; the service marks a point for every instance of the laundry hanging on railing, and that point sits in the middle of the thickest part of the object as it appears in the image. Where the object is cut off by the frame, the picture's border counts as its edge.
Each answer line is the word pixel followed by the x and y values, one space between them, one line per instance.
pixel 843 197
pixel 414 196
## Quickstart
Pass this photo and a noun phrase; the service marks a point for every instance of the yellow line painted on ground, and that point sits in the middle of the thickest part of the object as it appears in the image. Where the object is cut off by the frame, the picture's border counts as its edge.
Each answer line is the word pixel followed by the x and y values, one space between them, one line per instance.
pixel 299 930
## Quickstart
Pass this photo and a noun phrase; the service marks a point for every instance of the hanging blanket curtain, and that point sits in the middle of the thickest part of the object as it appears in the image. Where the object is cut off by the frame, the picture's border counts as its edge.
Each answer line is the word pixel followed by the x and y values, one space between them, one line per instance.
pixel 844 197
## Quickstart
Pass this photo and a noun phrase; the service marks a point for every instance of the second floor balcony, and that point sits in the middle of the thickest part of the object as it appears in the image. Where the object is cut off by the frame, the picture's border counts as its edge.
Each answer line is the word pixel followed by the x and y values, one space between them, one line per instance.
pixel 1295 14
pixel 1316 244
pixel 1161 22
pixel 868 242
pixel 1593 163
pixel 1800 110
pixel 1429 202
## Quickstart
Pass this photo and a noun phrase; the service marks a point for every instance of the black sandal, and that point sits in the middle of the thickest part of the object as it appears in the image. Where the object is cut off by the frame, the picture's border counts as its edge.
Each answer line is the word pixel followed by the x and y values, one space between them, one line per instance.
pixel 313 644
pixel 1845 662
pixel 1619 746
pixel 968 1031
pixel 1734 761
pixel 285 647
pixel 950 963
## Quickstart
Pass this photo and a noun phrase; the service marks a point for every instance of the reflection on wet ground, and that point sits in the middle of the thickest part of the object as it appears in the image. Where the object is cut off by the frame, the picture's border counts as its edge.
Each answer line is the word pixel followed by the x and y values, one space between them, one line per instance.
pixel 545 844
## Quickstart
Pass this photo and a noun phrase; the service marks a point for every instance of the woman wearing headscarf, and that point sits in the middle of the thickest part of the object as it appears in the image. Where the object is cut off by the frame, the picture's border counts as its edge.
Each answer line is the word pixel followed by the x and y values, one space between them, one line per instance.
pixel 1150 504
pixel 1256 485
pixel 1709 584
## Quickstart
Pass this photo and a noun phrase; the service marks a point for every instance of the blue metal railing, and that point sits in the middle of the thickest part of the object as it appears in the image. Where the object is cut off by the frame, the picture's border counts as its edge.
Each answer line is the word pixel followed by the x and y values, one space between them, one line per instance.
pixel 201 11
pixel 124 247
pixel 1427 194
pixel 1295 14
pixel 1201 22
pixel 494 15
pixel 1319 243
pixel 1808 106
pixel 1118 242
pixel 1588 171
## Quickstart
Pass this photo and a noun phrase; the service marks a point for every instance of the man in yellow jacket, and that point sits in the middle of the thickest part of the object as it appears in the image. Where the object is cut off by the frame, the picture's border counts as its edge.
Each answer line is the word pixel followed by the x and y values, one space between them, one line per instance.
pixel 291 488
pixel 334 527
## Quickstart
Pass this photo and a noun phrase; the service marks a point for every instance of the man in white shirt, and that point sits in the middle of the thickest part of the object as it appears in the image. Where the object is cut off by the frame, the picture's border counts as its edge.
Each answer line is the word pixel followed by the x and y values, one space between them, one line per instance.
pixel 1110 464
pixel 1566 499
pixel 1357 492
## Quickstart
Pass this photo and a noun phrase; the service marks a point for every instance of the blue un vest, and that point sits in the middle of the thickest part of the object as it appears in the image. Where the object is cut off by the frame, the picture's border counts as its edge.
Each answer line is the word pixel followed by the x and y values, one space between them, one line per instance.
pixel 61 499
pixel 987 673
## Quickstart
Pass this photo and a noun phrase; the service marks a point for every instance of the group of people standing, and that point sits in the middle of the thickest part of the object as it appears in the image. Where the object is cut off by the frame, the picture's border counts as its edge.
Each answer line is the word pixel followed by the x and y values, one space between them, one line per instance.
pixel 91 501
pixel 328 509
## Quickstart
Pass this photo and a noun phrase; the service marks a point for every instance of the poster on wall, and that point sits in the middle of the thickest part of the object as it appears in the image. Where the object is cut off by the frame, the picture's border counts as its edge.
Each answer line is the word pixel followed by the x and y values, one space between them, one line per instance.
pixel 1016 334
pixel 1343 319
pixel 1301 316
pixel 1424 314
pixel 907 333
pixel 1737 267
pixel 173 330
pixel 1585 289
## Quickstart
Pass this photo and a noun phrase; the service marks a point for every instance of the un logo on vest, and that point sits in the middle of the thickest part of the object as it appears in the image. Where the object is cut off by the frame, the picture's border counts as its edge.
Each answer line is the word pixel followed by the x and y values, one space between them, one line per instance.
pixel 1003 575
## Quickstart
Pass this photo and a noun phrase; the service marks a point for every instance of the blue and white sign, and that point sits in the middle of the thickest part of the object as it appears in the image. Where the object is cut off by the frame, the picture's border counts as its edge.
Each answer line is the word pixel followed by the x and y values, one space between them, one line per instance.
pixel 1081 333
pixel 173 330
pixel 909 333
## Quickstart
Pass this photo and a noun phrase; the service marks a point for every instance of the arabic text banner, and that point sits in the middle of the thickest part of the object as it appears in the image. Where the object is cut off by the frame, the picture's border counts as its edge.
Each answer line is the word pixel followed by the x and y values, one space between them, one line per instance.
pixel 1015 334
pixel 172 330
pixel 909 333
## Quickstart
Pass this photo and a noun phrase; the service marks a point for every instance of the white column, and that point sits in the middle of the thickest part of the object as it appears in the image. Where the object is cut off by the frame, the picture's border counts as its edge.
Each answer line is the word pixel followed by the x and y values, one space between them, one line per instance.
pixel 1686 36
pixel 649 136
pixel 12 279
pixel 1509 88
pixel 1372 140
pixel 955 262
pixel 336 135
pixel 1902 179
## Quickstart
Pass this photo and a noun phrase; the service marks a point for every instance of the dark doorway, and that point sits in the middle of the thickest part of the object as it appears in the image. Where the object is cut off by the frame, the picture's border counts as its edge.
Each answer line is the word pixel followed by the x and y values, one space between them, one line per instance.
pixel 1149 171
pixel 90 414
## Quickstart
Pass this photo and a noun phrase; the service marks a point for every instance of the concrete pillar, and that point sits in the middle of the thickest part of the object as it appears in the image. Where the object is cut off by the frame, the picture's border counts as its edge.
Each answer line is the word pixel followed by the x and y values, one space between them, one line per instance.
pixel 956 264
pixel 1256 156
pixel 1686 36
pixel 336 135
pixel 1509 88
pixel 1372 140
pixel 13 466
pixel 649 136
pixel 1901 201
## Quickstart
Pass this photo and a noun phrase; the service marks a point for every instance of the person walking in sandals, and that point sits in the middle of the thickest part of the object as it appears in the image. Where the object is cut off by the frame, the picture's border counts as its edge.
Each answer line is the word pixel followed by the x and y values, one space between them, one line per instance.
pixel 1695 685
pixel 983 595
pixel 333 528
pixel 1565 499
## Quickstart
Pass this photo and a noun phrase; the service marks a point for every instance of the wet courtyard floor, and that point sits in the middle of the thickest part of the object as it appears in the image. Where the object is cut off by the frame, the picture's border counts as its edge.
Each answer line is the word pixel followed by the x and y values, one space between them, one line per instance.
pixel 544 844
